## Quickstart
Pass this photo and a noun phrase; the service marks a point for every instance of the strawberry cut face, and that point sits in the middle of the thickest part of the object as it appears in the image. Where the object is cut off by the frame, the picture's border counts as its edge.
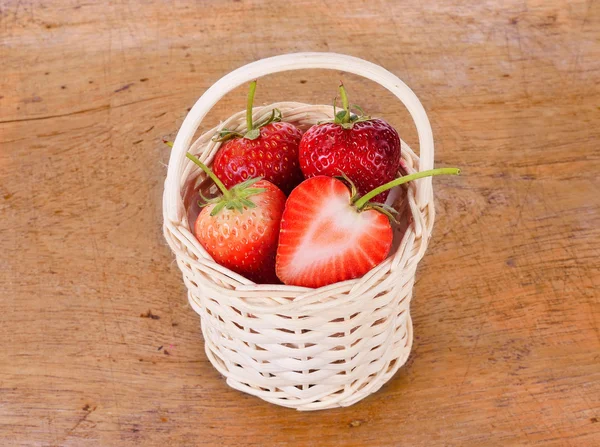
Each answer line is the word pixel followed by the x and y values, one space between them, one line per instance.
pixel 324 239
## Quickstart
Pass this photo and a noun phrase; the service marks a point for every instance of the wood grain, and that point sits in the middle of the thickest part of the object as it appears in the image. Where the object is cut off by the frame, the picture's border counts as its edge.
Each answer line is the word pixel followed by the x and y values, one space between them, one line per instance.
pixel 506 307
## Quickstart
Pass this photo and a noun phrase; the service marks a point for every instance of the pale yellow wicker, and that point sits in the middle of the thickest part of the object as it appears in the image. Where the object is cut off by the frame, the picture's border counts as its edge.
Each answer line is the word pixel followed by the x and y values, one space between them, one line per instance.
pixel 307 349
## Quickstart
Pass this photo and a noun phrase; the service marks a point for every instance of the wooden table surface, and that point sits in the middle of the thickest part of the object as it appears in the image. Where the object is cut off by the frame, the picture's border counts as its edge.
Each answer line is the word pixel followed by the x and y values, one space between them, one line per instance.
pixel 506 305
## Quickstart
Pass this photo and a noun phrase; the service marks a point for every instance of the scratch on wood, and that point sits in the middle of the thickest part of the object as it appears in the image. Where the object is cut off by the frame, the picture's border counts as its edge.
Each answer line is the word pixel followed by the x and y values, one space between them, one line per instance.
pixel 32 99
pixel 93 109
pixel 125 87
pixel 77 112
pixel 88 410
pixel 149 314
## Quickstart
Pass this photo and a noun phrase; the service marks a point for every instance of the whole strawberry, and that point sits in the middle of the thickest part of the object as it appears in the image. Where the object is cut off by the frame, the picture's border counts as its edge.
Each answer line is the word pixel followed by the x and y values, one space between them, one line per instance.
pixel 330 233
pixel 240 228
pixel 268 150
pixel 366 150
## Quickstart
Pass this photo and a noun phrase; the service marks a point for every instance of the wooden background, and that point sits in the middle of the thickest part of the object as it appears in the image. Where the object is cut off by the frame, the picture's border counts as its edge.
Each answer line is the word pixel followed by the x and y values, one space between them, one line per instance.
pixel 506 306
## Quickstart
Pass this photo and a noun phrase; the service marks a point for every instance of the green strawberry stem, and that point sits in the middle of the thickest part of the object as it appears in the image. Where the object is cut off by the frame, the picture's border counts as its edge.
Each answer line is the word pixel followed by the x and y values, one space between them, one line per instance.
pixel 362 201
pixel 346 118
pixel 236 198
pixel 249 105
pixel 253 129
pixel 345 104
pixel 214 178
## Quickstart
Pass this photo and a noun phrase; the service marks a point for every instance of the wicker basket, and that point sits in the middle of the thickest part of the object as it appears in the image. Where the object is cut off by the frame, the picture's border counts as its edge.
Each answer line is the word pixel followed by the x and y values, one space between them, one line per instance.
pixel 302 348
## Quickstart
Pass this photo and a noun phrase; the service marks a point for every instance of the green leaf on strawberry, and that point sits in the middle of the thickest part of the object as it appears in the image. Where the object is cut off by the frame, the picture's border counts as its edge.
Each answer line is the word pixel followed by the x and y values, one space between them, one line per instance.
pixel 235 198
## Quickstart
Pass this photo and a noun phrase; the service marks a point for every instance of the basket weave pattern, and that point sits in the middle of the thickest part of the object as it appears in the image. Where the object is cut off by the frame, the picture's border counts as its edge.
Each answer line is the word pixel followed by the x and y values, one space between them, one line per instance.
pixel 303 348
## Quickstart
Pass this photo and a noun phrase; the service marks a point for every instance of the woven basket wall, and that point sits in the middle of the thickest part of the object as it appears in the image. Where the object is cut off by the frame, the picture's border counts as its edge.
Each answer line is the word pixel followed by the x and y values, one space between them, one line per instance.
pixel 303 348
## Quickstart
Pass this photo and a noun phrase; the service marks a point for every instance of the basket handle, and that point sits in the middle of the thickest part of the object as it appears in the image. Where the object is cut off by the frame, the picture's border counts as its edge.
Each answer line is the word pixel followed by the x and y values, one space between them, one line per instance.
pixel 294 61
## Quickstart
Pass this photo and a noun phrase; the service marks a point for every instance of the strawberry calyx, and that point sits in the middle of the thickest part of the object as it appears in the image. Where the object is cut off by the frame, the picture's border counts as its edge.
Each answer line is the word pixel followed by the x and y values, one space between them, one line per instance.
pixel 345 117
pixel 353 189
pixel 253 130
pixel 355 196
pixel 363 203
pixel 235 198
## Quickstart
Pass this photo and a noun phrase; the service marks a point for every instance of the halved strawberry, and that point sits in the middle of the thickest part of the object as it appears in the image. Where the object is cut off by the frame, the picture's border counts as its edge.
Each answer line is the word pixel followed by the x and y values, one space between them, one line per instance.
pixel 324 239
pixel 330 234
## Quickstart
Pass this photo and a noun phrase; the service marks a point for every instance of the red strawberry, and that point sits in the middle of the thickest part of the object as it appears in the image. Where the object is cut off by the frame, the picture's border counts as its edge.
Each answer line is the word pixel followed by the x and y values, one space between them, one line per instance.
pixel 240 229
pixel 366 150
pixel 329 234
pixel 268 150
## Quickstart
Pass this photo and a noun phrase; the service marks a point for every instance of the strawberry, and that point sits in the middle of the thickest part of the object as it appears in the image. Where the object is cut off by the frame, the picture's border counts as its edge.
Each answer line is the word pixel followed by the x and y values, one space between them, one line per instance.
pixel 324 240
pixel 240 228
pixel 366 150
pixel 268 150
pixel 330 234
